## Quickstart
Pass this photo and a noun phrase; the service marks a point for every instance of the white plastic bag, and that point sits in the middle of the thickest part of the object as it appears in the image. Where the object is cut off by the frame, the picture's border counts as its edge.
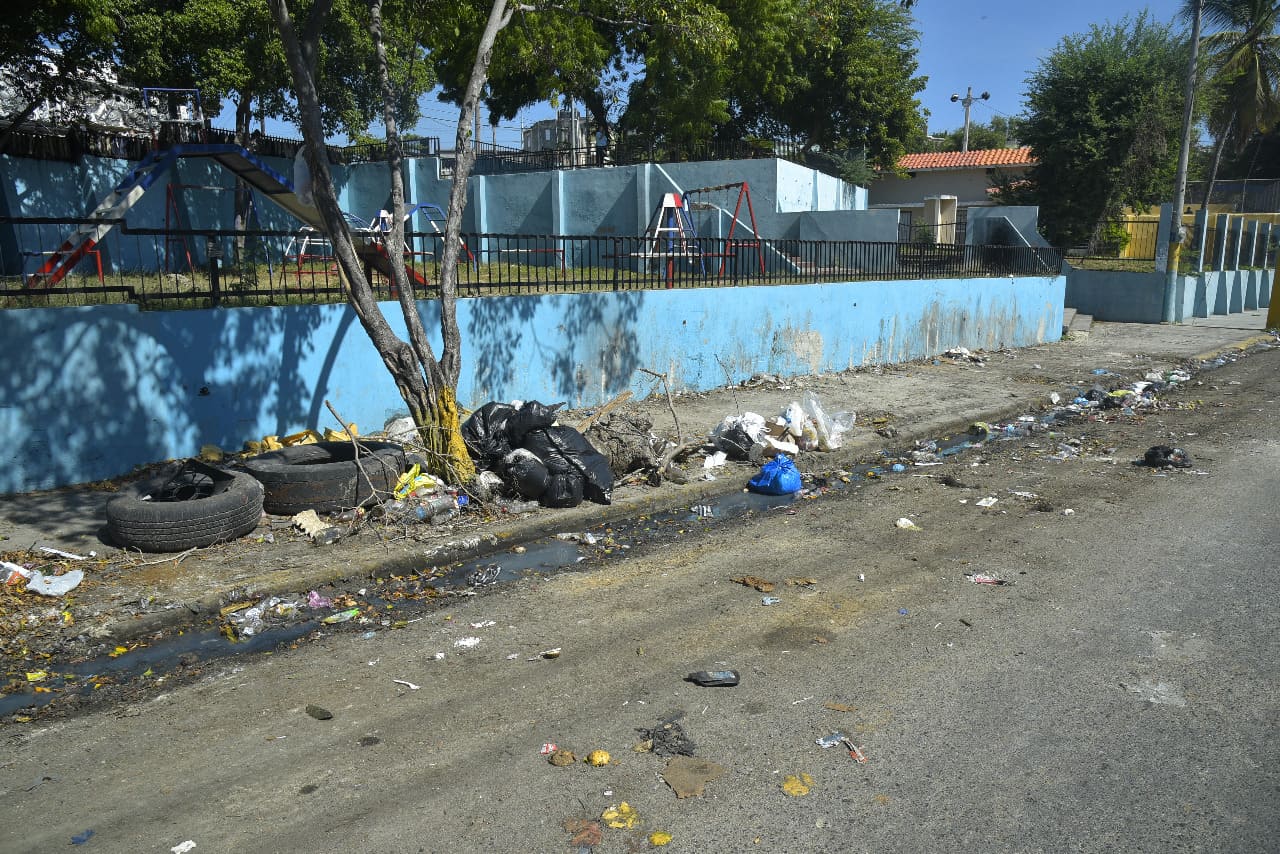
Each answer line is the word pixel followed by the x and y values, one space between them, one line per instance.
pixel 830 432
pixel 302 187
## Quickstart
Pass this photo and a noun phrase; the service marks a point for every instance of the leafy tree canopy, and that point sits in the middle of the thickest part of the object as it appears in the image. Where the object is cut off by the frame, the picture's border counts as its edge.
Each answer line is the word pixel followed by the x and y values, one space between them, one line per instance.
pixel 231 49
pixel 1104 110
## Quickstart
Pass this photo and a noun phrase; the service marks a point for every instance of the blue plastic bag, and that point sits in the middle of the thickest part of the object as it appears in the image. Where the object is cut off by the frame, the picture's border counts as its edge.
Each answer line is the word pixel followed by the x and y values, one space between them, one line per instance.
pixel 779 476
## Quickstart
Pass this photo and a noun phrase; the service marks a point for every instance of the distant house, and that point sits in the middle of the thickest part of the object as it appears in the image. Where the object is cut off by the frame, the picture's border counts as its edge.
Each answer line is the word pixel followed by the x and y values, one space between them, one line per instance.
pixel 967 175
pixel 941 186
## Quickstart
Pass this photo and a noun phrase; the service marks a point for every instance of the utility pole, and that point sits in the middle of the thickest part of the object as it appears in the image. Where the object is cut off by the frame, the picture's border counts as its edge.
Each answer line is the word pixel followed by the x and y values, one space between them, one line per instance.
pixel 968 100
pixel 1176 231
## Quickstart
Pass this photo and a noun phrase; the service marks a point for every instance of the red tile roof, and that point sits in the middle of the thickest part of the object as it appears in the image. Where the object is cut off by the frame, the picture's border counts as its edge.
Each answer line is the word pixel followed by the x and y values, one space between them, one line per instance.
pixel 967 159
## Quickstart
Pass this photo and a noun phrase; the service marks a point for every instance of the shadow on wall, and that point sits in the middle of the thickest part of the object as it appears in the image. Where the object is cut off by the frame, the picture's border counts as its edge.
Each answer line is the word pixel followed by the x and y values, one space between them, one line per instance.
pixel 115 386
pixel 507 339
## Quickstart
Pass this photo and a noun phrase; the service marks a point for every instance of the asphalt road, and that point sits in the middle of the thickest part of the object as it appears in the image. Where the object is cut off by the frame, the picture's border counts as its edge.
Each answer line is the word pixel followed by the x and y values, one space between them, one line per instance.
pixel 1119 694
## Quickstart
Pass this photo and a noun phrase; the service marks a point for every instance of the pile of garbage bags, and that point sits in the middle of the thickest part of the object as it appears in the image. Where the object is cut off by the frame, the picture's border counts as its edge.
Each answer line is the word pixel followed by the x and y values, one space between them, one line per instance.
pixel 801 426
pixel 536 458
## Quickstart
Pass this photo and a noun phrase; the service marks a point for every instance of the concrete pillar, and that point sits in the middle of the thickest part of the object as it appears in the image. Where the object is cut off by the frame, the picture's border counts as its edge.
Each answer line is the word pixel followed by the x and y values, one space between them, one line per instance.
pixel 1201 237
pixel 1165 257
pixel 1220 242
pixel 1237 232
pixel 1250 252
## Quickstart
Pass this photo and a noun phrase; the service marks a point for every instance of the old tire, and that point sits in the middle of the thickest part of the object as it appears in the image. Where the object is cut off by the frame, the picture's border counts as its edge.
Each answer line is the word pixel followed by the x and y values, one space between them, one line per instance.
pixel 232 510
pixel 324 476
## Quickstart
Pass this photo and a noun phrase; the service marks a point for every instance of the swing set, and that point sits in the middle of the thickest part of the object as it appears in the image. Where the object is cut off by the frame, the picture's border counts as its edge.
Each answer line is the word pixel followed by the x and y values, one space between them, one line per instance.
pixel 671 234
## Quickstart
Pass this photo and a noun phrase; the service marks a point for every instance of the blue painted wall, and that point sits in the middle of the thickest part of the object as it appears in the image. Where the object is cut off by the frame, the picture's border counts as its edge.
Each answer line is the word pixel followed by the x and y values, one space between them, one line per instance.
pixel 1139 297
pixel 101 389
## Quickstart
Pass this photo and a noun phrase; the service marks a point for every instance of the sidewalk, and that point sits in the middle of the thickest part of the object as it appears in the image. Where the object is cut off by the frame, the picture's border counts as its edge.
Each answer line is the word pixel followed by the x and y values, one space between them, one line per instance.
pixel 127 595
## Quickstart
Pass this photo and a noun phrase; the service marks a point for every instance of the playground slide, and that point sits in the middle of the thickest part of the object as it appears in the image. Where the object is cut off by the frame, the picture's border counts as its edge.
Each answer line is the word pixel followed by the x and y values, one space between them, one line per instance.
pixel 375 255
pixel 241 162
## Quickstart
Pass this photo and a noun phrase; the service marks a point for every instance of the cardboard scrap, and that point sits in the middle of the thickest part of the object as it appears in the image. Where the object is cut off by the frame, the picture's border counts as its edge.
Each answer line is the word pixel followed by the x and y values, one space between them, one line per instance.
pixel 688 775
pixel 752 581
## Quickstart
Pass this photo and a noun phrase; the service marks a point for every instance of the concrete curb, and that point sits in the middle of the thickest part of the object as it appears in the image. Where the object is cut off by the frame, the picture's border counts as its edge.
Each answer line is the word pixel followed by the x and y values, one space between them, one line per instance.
pixel 504 536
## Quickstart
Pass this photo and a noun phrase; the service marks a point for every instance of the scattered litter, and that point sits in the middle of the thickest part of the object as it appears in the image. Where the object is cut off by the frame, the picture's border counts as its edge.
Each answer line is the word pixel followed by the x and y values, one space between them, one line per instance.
pixel 839 707
pixel 598 758
pixel 369 635
pixel 320 713
pixel 862 576
pixel 828 741
pixel 60 553
pixel 437 656
pixel 802 582
pixel 1068 512
pixel 406 683
pixel 484 575
pixel 1055 398
pixel 483 624
pixel 715 461
pixel 45 585
pixel 759 584
pixel 907 525
pixel 1026 496
pixel 37 675
pixel 316 601
pixel 588 538
pixel 660 838
pixel 621 816
pixel 183 847
pixel 797 786
pixel 779 476
pixel 769 600
pixel 736 435
pixel 714 678
pixel 318 531
pixel 704 511
pixel 985 578
pixel 688 775
pixel 668 738
pixel 903 612
pixel 341 616
pixel 548 748
pixel 987 502
pixel 562 758
pixel 82 838
pixel 1163 456
pixel 855 751
pixel 467 642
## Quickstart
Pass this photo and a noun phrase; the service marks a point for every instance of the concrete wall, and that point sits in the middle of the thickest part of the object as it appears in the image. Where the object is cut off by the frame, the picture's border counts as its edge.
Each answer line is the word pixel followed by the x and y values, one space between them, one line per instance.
pixel 1139 297
pixel 94 391
pixel 603 201
pixel 1004 225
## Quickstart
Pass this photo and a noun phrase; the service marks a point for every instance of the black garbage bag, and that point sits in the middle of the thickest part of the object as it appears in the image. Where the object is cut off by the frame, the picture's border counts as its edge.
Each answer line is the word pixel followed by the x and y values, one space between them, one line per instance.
pixel 1163 456
pixel 563 490
pixel 525 473
pixel 495 429
pixel 564 450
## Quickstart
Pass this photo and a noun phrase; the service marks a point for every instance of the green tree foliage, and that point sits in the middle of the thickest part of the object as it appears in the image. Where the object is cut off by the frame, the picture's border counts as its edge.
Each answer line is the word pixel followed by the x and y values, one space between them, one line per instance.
pixel 1000 132
pixel 55 44
pixel 1242 60
pixel 1104 110
pixel 836 75
pixel 231 49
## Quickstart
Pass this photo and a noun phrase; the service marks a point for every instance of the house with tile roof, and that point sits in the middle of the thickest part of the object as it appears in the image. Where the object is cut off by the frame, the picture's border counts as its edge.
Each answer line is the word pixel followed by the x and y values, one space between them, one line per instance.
pixel 967 175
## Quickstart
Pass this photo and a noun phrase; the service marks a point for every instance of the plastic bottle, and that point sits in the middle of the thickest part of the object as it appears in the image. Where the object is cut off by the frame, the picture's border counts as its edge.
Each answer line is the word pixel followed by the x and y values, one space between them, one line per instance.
pixel 714 678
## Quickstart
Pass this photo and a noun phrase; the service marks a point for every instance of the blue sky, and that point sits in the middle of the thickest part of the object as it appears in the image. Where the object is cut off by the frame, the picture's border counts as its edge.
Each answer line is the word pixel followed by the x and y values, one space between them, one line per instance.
pixel 991 45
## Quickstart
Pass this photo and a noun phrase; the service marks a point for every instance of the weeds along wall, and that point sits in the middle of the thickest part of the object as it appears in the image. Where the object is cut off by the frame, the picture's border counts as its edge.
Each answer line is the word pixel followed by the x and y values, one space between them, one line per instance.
pixel 95 391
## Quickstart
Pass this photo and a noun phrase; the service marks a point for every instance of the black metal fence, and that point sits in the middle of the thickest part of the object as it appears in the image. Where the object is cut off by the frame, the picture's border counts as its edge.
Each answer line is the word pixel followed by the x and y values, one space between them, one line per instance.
pixel 160 268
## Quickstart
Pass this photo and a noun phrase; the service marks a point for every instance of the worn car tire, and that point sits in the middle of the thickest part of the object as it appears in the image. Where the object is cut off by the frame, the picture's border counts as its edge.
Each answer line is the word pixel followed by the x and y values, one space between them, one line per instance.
pixel 324 476
pixel 231 511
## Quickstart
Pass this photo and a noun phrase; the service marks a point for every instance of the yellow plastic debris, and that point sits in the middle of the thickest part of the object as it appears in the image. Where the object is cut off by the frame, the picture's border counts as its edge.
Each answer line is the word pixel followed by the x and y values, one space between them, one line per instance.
pixel 797 787
pixel 413 480
pixel 331 435
pixel 37 675
pixel 621 817
pixel 660 838
pixel 268 443
pixel 598 758
pixel 302 437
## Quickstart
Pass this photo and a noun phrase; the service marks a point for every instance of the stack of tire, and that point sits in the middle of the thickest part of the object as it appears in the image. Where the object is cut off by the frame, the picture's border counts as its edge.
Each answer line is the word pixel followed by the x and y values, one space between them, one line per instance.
pixel 199 505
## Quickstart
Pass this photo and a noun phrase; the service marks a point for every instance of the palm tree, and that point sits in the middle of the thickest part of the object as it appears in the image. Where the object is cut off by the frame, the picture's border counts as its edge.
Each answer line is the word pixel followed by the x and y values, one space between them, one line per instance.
pixel 1242 62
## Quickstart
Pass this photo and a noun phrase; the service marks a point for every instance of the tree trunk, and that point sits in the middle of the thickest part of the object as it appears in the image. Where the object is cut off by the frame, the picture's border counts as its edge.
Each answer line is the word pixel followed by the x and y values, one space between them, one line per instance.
pixel 429 394
pixel 1218 145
